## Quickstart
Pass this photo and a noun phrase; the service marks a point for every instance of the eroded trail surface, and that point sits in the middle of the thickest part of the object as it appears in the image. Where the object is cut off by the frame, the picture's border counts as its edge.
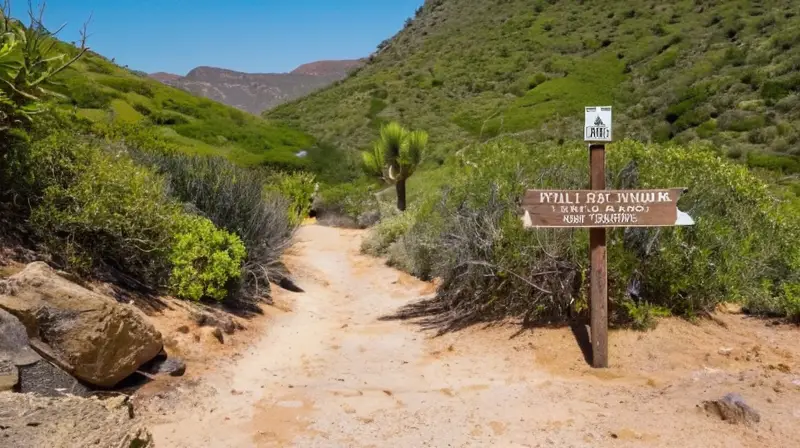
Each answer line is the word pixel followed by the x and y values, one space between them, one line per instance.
pixel 329 373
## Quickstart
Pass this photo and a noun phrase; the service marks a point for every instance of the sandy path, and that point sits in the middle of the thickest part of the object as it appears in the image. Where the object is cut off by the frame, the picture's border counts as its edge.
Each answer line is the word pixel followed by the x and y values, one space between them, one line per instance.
pixel 329 374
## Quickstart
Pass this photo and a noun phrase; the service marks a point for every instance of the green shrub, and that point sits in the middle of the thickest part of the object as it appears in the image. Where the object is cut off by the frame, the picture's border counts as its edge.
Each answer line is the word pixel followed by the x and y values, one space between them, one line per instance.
pixel 105 214
pixel 97 64
pixel 205 260
pixel 43 160
pixel 791 300
pixel 350 199
pixel 707 129
pixel 298 188
pixel 167 118
pixel 141 86
pixel 387 232
pixel 741 121
pixel 142 109
pixel 643 316
pixel 88 95
pixel 777 162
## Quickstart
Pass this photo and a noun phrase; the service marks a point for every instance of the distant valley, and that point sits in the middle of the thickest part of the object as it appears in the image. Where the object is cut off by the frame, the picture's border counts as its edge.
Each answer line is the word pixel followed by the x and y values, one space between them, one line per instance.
pixel 258 92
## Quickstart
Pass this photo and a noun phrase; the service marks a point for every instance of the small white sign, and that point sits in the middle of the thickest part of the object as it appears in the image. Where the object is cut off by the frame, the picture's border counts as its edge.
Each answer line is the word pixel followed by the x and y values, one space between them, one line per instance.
pixel 598 124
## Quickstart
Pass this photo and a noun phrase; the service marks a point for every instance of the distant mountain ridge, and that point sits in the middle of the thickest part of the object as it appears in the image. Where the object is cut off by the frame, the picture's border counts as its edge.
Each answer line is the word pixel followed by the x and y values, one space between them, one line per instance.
pixel 258 92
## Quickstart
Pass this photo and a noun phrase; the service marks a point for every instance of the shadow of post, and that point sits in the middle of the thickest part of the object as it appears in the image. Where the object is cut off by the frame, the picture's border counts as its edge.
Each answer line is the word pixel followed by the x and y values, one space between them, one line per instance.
pixel 580 330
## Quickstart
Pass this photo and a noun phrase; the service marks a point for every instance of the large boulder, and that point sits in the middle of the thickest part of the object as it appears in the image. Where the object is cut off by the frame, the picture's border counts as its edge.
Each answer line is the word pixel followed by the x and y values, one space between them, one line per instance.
pixel 91 336
pixel 30 421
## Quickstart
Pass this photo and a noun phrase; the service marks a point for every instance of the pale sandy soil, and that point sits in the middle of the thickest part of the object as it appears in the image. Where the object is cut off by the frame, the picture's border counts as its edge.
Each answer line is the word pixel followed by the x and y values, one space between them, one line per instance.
pixel 328 373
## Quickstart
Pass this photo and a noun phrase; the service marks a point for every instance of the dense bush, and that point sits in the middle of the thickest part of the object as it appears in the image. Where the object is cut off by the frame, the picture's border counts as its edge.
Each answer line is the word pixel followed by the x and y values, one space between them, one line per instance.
pixel 387 232
pixel 471 236
pixel 99 213
pixel 103 213
pixel 205 260
pixel 233 198
pixel 142 87
pixel 298 188
pixel 349 200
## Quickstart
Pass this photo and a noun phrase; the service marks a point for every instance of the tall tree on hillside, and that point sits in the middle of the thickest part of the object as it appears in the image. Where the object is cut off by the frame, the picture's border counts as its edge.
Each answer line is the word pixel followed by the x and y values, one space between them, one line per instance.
pixel 395 156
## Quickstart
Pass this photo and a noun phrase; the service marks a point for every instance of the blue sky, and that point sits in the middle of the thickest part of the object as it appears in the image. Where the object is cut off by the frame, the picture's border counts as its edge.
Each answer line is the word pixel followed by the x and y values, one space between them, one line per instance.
pixel 247 35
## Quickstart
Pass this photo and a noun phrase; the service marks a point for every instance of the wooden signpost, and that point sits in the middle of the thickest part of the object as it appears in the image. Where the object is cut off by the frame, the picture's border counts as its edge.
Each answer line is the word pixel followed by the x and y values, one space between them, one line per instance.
pixel 597 209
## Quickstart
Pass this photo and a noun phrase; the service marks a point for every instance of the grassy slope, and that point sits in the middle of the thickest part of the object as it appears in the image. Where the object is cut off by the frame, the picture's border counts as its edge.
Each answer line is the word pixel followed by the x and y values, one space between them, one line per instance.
pixel 725 71
pixel 102 91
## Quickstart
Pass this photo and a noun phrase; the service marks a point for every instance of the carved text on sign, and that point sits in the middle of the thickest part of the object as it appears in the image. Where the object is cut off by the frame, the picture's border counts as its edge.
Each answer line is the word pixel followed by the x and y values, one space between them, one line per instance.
pixel 603 208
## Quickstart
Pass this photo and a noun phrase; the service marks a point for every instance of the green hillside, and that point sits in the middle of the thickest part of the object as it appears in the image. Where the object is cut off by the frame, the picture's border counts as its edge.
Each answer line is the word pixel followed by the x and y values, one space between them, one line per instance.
pixel 723 71
pixel 103 92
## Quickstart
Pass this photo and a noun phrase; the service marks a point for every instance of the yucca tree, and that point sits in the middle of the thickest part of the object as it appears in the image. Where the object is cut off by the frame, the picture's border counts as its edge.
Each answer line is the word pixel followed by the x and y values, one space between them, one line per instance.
pixel 395 156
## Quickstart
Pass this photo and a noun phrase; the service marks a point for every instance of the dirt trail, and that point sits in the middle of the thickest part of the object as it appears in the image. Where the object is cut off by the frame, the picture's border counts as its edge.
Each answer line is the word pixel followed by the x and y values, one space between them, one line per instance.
pixel 330 374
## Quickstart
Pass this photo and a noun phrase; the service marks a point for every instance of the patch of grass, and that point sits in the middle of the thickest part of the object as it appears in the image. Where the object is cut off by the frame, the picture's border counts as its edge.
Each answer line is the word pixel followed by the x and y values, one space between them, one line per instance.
pixel 124 112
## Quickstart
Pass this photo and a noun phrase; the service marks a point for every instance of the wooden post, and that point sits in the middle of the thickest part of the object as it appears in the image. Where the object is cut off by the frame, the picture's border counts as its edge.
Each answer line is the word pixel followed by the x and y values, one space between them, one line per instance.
pixel 597 211
pixel 597 245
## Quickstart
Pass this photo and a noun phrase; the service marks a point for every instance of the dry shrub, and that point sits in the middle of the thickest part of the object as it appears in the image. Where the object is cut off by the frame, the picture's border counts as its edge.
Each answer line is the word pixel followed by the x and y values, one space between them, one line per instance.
pixel 742 248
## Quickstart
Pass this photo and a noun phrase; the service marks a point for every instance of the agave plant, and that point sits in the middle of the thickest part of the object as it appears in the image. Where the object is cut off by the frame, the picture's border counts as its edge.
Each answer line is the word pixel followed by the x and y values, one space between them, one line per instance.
pixel 395 156
pixel 29 59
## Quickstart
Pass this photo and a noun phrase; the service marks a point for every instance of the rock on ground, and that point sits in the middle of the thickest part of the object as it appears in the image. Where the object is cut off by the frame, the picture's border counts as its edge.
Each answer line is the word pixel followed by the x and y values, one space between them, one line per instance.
pixel 213 318
pixel 29 421
pixel 732 409
pixel 89 335
pixel 171 366
pixel 8 374
pixel 14 340
pixel 46 379
pixel 163 365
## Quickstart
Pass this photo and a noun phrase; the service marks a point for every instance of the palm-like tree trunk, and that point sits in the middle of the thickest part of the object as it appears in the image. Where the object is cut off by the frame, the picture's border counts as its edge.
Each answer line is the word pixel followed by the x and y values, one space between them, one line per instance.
pixel 400 187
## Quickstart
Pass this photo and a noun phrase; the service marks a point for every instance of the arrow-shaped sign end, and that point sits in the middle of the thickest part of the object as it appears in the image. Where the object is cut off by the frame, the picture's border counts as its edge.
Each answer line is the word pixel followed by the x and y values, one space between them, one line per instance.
pixel 527 222
pixel 684 219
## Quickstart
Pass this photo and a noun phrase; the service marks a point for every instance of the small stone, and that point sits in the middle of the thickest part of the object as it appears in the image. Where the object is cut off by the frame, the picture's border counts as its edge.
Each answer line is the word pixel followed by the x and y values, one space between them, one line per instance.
pixel 725 351
pixel 218 334
pixel 116 402
pixel 183 329
pixel 9 376
pixel 170 366
pixel 209 335
pixel 733 409
pixel 215 319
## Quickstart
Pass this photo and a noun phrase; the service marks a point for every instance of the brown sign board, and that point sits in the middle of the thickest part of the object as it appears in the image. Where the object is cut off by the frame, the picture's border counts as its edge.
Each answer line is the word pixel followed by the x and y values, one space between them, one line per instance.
pixel 604 208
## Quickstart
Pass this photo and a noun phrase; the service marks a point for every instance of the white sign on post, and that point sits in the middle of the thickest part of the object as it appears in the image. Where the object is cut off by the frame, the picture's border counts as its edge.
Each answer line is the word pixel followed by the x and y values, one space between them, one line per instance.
pixel 598 124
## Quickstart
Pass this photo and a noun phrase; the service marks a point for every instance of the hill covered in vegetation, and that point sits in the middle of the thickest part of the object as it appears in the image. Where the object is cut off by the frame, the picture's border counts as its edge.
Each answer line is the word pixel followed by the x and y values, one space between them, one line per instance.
pixel 104 93
pixel 720 71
